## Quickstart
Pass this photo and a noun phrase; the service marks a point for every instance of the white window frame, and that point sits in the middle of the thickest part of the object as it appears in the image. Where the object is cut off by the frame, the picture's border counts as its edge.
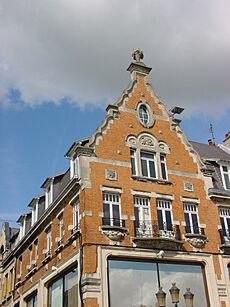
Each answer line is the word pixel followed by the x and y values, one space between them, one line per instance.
pixel 74 167
pixel 116 200
pixel 164 205
pixel 165 165
pixel 31 255
pixel 225 173
pixel 191 208
pixel 133 157
pixel 35 213
pixel 49 195
pixel 48 240
pixel 76 215
pixel 225 215
pixel 61 227
pixel 142 203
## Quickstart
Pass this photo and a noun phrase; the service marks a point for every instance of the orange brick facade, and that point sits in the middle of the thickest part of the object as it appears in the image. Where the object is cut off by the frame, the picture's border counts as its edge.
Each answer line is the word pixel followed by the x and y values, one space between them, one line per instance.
pixel 92 246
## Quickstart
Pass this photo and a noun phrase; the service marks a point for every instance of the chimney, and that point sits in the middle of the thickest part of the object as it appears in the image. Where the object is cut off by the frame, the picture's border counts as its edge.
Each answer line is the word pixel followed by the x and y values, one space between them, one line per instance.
pixel 211 142
pixel 226 141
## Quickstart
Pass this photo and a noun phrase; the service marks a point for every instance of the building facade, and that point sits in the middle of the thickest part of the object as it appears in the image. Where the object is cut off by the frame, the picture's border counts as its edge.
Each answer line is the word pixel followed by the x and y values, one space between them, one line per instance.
pixel 139 208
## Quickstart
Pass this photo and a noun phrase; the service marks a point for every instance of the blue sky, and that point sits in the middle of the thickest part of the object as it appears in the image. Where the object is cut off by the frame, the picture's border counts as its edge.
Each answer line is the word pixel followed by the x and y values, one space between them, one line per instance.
pixel 34 141
pixel 62 62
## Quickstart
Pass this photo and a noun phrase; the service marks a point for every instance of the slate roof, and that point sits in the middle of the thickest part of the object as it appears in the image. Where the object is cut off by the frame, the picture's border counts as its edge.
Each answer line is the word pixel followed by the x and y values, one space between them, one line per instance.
pixel 207 151
pixel 212 155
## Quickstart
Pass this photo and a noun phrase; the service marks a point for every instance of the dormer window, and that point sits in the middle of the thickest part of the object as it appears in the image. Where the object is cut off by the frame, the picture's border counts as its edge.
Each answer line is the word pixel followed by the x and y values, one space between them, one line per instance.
pixel 35 213
pixel 74 167
pixel 49 195
pixel 225 171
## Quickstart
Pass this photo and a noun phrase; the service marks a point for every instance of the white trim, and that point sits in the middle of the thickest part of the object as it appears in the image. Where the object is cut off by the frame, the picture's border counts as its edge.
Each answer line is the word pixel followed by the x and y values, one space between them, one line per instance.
pixel 190 200
pixel 140 193
pixel 110 189
pixel 223 172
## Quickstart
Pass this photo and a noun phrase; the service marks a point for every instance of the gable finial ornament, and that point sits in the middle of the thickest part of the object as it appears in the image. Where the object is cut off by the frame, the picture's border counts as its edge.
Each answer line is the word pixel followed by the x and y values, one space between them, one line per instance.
pixel 137 55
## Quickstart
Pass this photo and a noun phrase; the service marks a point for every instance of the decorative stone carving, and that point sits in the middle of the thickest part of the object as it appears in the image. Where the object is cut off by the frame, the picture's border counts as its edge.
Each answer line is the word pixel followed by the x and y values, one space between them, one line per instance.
pixel 110 174
pixel 137 55
pixel 197 241
pixel 147 141
pixel 132 140
pixel 188 186
pixel 114 234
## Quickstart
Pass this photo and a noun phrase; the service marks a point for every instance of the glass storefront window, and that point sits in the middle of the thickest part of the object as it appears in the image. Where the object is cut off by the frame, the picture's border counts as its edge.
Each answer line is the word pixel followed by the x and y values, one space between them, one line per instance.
pixel 63 292
pixel 135 283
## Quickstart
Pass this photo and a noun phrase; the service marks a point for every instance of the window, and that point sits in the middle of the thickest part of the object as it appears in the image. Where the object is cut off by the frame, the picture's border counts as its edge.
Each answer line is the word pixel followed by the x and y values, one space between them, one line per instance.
pixel 191 218
pixel 148 157
pixel 32 300
pixel 148 164
pixel 163 167
pixel 133 161
pixel 49 195
pixel 48 241
pixel 64 291
pixel 74 167
pixel 143 226
pixel 20 266
pixel 225 222
pixel 143 114
pixel 225 171
pixel 61 229
pixel 31 256
pixel 76 213
pixel 164 215
pixel 36 252
pixel 111 209
pixel 134 283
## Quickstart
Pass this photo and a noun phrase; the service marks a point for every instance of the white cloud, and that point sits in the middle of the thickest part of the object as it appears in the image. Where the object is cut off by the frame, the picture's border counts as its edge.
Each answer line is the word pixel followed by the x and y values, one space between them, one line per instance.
pixel 80 49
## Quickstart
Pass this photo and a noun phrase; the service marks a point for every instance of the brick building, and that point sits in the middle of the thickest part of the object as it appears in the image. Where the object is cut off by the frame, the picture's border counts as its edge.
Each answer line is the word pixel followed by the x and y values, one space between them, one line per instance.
pixel 139 208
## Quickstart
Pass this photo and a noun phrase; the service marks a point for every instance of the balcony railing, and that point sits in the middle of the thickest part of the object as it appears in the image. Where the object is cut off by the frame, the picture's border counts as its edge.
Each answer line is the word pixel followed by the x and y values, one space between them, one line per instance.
pixel 224 236
pixel 196 230
pixel 113 222
pixel 144 229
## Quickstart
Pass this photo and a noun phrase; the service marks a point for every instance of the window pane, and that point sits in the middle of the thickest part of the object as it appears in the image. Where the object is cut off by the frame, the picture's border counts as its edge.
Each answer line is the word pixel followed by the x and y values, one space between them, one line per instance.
pixel 227 182
pixel 185 276
pixel 195 223
pixel 187 227
pixel 56 293
pixel 163 168
pixel 223 227
pixel 168 220
pixel 116 215
pixel 106 214
pixel 71 289
pixel 144 168
pixel 152 169
pixel 160 219
pixel 132 283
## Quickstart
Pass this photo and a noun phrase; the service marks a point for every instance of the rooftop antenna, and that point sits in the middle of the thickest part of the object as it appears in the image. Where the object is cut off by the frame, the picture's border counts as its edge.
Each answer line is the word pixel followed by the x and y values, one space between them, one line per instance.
pixel 212 140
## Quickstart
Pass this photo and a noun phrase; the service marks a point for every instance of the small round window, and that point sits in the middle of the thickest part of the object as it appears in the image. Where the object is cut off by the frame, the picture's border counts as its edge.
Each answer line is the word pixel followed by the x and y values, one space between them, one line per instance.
pixel 143 114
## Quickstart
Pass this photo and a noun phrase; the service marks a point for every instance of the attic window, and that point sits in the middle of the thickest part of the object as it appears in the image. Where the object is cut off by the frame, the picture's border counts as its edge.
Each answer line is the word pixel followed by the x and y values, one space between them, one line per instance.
pixel 145 114
pixel 225 171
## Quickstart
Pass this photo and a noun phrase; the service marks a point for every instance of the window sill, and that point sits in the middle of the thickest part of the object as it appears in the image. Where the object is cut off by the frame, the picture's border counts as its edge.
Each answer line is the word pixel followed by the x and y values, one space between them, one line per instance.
pixel 156 180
